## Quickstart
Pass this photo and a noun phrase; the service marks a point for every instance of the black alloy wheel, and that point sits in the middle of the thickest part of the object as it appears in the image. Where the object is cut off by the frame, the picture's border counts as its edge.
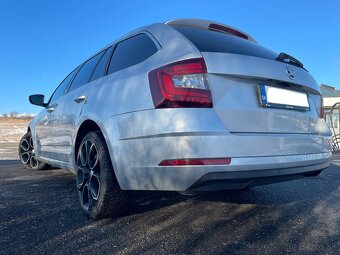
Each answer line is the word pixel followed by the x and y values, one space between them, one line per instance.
pixel 27 155
pixel 98 189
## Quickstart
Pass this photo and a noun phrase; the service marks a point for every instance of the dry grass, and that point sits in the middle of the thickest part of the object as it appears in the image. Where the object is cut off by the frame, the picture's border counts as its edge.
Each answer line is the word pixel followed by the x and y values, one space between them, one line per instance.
pixel 11 130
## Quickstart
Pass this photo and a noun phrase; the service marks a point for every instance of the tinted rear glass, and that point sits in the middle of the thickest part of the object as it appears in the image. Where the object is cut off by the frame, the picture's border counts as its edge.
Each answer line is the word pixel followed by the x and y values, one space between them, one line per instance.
pixel 131 52
pixel 212 41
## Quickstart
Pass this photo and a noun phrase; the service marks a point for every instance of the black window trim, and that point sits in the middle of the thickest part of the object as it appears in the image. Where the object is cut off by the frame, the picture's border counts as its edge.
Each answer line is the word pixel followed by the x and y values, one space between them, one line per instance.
pixel 94 69
pixel 114 46
pixel 81 66
pixel 107 63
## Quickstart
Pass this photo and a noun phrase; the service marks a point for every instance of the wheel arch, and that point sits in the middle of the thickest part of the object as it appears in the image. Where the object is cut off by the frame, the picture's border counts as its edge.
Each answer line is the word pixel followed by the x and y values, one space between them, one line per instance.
pixel 85 127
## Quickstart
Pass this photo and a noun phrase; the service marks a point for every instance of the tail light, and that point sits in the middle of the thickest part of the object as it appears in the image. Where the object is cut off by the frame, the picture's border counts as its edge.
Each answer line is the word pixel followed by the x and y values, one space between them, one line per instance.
pixel 181 84
pixel 322 110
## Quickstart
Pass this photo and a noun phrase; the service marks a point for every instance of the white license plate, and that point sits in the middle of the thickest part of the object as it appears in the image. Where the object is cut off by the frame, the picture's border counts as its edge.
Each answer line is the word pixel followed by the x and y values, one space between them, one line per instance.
pixel 283 98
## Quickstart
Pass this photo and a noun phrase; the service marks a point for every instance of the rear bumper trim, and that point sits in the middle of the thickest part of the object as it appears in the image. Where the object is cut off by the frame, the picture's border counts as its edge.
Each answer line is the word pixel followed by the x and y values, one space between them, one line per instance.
pixel 242 179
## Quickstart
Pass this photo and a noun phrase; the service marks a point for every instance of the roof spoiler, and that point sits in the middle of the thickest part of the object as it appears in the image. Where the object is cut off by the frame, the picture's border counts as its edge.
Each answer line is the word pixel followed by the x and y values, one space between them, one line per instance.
pixel 210 25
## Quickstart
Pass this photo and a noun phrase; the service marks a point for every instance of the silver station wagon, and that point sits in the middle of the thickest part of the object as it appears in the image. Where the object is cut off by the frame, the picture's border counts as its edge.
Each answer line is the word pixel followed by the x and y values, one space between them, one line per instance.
pixel 188 105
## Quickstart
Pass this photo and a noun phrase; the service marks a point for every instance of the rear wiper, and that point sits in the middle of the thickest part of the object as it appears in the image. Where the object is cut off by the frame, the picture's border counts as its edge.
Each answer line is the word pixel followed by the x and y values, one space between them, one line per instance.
pixel 284 57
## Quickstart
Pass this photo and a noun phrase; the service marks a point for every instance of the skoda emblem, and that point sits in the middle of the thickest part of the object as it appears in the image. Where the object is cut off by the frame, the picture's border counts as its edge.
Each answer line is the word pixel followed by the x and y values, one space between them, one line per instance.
pixel 290 72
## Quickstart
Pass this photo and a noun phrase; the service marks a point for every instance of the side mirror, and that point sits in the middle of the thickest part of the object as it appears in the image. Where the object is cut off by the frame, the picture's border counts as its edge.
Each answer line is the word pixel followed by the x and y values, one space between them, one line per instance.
pixel 37 99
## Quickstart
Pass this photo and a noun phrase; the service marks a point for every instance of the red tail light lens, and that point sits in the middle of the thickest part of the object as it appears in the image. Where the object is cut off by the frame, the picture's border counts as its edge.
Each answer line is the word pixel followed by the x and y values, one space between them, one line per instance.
pixel 181 84
pixel 198 161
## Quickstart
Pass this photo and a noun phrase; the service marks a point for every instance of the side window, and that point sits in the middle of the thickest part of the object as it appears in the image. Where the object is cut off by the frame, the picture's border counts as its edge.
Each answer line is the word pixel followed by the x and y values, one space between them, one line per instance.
pixel 62 87
pixel 85 72
pixel 131 52
pixel 101 67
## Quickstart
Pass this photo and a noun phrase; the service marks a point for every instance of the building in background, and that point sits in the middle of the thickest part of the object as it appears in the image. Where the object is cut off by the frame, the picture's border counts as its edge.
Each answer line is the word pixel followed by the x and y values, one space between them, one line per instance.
pixel 331 96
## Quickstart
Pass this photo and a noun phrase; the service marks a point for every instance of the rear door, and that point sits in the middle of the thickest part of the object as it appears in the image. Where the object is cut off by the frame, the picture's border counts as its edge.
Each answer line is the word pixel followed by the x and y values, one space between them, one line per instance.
pixel 238 68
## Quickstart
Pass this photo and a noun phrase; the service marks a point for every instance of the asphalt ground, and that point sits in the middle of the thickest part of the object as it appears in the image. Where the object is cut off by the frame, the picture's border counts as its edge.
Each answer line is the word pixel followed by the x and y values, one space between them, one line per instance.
pixel 40 214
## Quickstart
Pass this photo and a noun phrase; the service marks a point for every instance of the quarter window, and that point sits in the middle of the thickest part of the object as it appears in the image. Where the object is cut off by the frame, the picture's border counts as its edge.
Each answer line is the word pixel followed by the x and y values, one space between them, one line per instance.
pixel 131 52
pixel 84 74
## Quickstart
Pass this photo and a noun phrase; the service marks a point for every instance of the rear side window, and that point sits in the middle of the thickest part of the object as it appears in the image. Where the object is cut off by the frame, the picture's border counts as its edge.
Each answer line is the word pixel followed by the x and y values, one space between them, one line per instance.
pixel 212 41
pixel 101 67
pixel 131 52
pixel 85 72
pixel 62 87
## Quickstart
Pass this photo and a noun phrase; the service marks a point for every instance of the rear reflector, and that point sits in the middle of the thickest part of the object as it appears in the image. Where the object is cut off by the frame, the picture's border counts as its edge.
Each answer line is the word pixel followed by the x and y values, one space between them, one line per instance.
pixel 195 162
pixel 228 30
pixel 181 84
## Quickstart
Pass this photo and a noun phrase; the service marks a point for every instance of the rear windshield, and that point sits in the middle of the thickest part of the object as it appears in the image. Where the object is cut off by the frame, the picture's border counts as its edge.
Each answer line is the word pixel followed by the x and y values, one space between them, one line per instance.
pixel 212 41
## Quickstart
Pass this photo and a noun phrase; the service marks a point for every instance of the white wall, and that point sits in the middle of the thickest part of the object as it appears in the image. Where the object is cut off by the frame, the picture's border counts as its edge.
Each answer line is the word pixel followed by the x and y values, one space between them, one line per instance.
pixel 330 101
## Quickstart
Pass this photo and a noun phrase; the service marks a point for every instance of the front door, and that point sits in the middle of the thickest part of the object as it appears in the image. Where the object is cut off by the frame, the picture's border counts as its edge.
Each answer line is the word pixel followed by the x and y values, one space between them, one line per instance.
pixel 46 122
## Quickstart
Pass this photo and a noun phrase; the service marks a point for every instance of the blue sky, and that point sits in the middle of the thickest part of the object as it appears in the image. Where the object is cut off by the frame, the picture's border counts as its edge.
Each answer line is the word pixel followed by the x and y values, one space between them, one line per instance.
pixel 42 41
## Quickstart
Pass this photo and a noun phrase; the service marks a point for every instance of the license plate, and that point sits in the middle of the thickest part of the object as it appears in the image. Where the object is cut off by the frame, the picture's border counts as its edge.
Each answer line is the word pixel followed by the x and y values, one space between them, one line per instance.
pixel 283 98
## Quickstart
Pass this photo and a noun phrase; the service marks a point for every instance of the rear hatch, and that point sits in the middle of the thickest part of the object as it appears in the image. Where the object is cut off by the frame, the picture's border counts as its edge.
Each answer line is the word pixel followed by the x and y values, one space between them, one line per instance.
pixel 253 90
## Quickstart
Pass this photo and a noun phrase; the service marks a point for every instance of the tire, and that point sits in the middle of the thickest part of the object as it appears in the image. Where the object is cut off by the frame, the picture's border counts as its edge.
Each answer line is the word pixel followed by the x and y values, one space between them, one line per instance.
pixel 99 193
pixel 27 156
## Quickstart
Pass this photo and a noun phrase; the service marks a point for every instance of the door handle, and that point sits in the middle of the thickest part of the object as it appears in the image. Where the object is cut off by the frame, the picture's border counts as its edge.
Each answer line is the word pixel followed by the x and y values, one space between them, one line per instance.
pixel 80 99
pixel 50 109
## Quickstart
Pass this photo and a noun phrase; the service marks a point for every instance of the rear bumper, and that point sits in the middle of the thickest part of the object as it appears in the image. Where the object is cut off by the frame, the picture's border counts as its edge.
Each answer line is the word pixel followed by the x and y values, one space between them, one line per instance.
pixel 244 179
pixel 241 173
pixel 137 152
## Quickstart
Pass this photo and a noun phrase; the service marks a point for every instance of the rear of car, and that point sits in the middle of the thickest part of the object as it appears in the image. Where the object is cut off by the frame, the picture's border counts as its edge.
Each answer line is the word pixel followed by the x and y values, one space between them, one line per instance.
pixel 189 105
pixel 228 113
